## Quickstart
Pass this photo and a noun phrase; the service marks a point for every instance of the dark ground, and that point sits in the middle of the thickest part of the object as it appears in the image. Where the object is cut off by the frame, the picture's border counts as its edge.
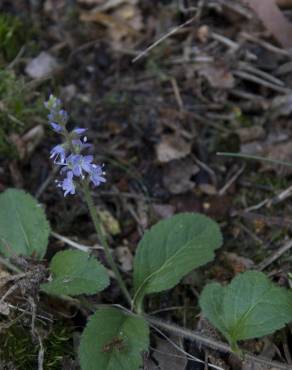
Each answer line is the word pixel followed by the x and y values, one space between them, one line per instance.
pixel 220 83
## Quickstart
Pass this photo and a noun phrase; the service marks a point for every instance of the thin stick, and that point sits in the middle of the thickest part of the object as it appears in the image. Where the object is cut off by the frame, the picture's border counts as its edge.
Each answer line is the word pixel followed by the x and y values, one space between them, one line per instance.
pixel 159 41
pixel 178 348
pixel 223 190
pixel 74 244
pixel 211 343
pixel 277 254
pixel 254 157
pixel 260 81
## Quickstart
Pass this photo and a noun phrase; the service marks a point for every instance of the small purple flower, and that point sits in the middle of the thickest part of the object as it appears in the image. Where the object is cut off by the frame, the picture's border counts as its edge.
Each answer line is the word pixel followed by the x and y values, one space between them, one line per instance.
pixel 79 163
pixel 79 131
pixel 79 145
pixel 58 153
pixel 63 116
pixel 68 185
pixel 96 175
pixel 56 127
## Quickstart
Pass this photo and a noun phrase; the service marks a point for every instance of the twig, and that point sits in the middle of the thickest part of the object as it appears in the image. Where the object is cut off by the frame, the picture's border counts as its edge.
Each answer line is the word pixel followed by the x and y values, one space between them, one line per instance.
pixel 12 64
pixel 211 343
pixel 260 81
pixel 255 157
pixel 205 167
pixel 234 46
pixel 9 265
pixel 276 199
pixel 46 183
pixel 277 254
pixel 250 233
pixel 223 190
pixel 74 244
pixel 189 356
pixel 177 93
pixel 164 37
pixel 265 44
pixel 259 73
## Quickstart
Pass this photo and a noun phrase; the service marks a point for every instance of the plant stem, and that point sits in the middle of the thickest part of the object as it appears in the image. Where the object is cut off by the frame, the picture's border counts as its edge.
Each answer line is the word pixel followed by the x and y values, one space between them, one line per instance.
pixel 103 240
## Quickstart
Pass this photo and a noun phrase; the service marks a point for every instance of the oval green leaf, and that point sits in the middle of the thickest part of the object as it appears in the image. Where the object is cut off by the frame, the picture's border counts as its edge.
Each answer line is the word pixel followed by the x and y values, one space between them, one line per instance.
pixel 24 229
pixel 113 340
pixel 76 272
pixel 171 249
pixel 250 306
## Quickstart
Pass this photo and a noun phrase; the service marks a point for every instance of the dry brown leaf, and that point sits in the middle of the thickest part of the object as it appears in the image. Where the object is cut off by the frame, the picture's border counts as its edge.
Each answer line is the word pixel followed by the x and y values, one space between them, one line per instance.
pixel 172 147
pixel 163 210
pixel 123 22
pixel 218 76
pixel 177 175
pixel 110 223
pixel 273 19
pixel 27 143
pixel 247 134
pixel 273 148
pixel 237 263
pixel 169 356
pixel 125 258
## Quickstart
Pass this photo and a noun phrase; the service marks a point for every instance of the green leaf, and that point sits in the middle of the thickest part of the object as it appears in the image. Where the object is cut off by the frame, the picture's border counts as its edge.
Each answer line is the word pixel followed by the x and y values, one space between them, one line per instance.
pixel 113 340
pixel 171 249
pixel 75 272
pixel 250 306
pixel 24 229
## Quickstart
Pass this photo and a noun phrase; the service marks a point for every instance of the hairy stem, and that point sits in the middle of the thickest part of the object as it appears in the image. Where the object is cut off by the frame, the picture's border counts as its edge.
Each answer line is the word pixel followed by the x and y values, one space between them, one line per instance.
pixel 103 240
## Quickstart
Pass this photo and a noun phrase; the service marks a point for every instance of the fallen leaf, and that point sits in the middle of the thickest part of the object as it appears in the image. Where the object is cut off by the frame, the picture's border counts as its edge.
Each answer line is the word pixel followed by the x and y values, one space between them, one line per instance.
pixel 172 147
pixel 41 66
pixel 4 309
pixel 281 152
pixel 281 106
pixel 273 19
pixel 163 210
pixel 177 175
pixel 123 23
pixel 237 263
pixel 125 258
pixel 247 134
pixel 203 33
pixel 27 143
pixel 218 76
pixel 168 356
pixel 208 189
pixel 110 224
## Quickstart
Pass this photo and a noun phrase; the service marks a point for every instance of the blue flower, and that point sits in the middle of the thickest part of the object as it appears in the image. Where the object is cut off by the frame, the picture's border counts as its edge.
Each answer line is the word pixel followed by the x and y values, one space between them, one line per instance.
pixel 63 116
pixel 79 131
pixel 58 153
pixel 79 163
pixel 56 127
pixel 96 175
pixel 79 145
pixel 68 185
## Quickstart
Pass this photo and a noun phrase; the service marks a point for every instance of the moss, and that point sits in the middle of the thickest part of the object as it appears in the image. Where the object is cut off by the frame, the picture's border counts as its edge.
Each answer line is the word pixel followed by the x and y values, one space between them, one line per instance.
pixel 13 34
pixel 17 111
pixel 17 347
